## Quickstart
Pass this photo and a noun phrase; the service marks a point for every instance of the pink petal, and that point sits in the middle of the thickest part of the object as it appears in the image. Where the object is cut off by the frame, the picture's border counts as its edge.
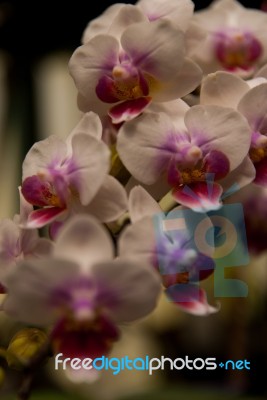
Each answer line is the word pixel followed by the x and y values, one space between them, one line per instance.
pixel 217 163
pixel 128 109
pixel 261 172
pixel 200 196
pixel 106 90
pixel 36 191
pixel 44 216
pixel 190 298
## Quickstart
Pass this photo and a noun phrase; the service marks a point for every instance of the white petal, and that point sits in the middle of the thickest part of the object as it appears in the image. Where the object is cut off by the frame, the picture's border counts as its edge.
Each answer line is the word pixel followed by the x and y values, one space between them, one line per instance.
pixel 141 146
pixel 135 287
pixel 183 82
pixel 30 287
pixel 141 204
pixel 102 23
pixel 254 107
pixel 153 47
pixel 42 154
pixel 239 177
pixel 90 61
pixel 222 89
pixel 89 124
pixel 110 201
pixel 262 72
pixel 127 15
pixel 219 128
pixel 138 241
pixel 84 241
pixel 92 162
pixel 179 12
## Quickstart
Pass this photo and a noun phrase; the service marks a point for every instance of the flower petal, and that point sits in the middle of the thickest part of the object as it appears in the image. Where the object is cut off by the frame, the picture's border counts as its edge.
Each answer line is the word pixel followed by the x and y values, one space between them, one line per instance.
pixel 223 89
pixel 84 241
pixel 239 177
pixel 102 23
pixel 219 128
pixel 89 124
pixel 179 13
pixel 152 47
pixel 90 61
pixel 261 172
pixel 200 196
pixel 141 204
pixel 128 110
pixel 182 83
pixel 91 159
pixel 191 299
pixel 126 16
pixel 30 286
pixel 254 107
pixel 43 154
pixel 110 201
pixel 141 146
pixel 138 242
pixel 129 282
pixel 42 217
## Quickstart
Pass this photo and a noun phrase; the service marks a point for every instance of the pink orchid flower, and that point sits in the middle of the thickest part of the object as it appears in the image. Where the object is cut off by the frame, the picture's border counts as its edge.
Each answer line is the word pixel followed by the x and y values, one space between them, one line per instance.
pixel 199 151
pixel 61 178
pixel 249 98
pixel 122 75
pixel 236 40
pixel 179 264
pixel 81 291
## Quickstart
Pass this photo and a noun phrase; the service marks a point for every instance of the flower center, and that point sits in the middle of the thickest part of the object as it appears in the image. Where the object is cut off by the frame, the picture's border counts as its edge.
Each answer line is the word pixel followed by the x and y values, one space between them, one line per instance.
pixel 237 49
pixel 193 175
pixel 257 154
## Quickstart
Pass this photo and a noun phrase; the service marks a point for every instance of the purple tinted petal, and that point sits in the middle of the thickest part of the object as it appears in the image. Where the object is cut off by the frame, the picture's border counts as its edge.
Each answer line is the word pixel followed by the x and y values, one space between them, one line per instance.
pixel 200 196
pixel 44 216
pixel 36 191
pixel 191 298
pixel 105 90
pixel 217 163
pixel 261 172
pixel 54 229
pixel 202 267
pixel 128 109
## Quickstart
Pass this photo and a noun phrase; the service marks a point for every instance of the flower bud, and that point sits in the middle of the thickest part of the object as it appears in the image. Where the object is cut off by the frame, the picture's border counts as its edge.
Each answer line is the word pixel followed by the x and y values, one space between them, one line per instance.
pixel 24 347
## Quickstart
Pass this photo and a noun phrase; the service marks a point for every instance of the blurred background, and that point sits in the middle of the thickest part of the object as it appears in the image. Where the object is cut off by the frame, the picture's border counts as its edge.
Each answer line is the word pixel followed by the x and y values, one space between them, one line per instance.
pixel 37 99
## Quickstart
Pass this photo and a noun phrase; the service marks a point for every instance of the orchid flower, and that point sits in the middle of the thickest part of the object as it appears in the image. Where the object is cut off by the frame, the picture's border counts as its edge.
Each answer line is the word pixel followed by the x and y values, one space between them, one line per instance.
pixel 249 98
pixel 69 177
pixel 174 256
pixel 80 291
pixel 195 152
pixel 17 244
pixel 122 15
pixel 236 40
pixel 121 76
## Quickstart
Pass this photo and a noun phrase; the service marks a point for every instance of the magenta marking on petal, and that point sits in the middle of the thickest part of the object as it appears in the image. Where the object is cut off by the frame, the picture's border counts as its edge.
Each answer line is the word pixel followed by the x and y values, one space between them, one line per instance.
pixel 54 229
pixel 128 109
pixel 105 90
pixel 36 191
pixel 237 49
pixel 190 298
pixel 216 163
pixel 200 196
pixel 261 172
pixel 44 216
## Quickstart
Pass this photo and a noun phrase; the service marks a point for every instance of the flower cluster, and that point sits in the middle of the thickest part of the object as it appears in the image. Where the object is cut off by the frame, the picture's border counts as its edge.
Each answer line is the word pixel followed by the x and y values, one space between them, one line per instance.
pixel 140 150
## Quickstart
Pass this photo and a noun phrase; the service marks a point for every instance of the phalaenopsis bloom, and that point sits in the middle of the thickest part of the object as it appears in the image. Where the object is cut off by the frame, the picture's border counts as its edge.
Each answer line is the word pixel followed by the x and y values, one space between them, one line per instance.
pixel 99 236
pixel 80 291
